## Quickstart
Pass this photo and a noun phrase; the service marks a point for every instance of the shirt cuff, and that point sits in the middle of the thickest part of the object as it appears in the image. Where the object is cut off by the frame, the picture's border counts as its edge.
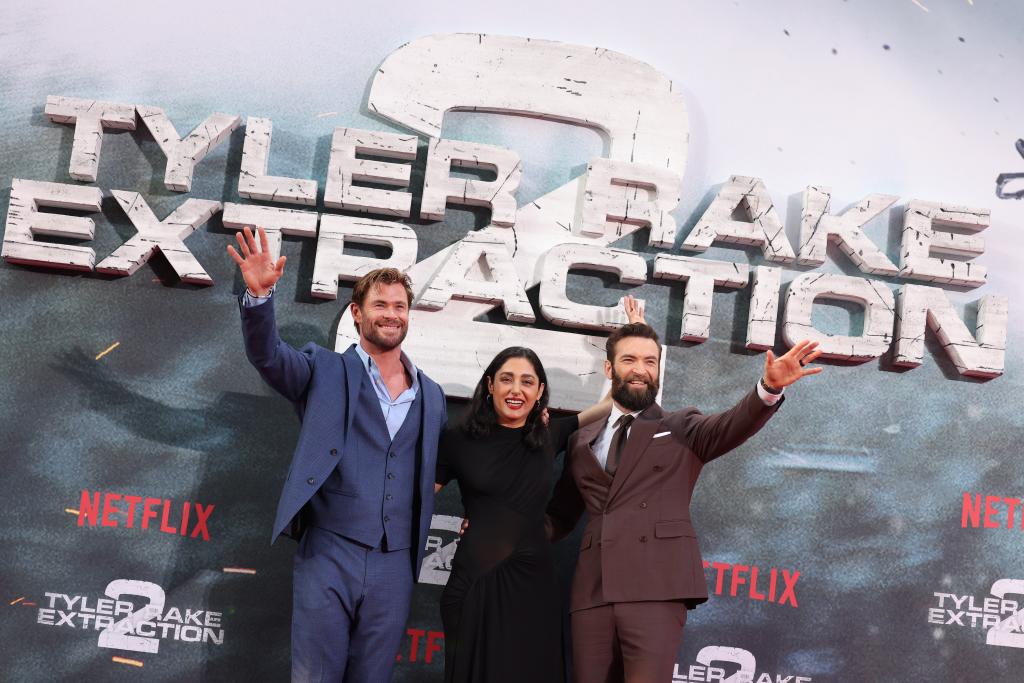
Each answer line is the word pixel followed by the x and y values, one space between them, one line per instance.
pixel 768 398
pixel 250 300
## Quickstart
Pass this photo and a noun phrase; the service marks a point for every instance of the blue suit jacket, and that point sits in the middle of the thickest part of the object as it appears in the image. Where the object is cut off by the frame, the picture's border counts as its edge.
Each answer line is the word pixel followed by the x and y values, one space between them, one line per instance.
pixel 324 387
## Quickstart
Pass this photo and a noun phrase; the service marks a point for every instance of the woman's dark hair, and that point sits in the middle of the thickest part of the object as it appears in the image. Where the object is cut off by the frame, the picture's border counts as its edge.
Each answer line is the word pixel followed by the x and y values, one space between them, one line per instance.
pixel 481 417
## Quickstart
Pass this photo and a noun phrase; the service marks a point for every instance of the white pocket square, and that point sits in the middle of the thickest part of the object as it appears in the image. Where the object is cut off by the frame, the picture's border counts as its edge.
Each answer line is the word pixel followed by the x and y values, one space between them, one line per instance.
pixel 661 434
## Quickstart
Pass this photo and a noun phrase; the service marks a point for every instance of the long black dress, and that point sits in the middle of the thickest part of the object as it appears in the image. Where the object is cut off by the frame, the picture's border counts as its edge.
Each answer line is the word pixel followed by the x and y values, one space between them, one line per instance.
pixel 501 609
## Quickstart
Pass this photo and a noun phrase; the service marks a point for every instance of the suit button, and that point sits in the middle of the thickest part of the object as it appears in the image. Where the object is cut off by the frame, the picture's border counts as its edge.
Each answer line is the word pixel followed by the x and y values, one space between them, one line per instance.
pixel 386 518
pixel 311 481
pixel 391 455
pixel 643 506
pixel 388 497
pixel 643 539
pixel 334 451
pixel 391 475
pixel 658 468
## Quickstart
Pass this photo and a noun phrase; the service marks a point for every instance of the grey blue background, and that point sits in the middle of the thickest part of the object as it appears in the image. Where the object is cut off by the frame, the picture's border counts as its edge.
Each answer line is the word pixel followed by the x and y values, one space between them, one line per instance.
pixel 857 483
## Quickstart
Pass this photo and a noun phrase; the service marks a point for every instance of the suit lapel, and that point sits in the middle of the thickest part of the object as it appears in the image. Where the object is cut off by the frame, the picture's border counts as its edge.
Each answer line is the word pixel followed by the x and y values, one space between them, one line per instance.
pixel 586 458
pixel 354 374
pixel 429 428
pixel 353 371
pixel 640 435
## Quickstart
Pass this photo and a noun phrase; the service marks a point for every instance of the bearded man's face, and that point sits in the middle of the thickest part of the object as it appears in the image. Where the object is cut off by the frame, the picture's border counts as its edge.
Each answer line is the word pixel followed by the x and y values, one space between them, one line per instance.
pixel 635 372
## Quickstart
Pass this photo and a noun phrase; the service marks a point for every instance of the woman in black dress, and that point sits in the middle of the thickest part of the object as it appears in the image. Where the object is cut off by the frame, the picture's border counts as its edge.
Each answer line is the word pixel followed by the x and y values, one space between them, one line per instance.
pixel 501 608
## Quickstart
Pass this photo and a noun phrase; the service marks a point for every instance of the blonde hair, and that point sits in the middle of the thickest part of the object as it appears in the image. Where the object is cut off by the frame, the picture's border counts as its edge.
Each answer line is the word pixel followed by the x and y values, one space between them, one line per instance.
pixel 378 278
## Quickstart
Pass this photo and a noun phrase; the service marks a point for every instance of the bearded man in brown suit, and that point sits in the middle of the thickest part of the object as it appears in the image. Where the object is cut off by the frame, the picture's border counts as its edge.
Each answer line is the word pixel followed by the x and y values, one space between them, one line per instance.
pixel 640 567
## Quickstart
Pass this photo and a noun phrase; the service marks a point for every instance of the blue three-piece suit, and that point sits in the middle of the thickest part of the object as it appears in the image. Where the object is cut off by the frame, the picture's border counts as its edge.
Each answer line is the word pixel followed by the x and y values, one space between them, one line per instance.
pixel 359 498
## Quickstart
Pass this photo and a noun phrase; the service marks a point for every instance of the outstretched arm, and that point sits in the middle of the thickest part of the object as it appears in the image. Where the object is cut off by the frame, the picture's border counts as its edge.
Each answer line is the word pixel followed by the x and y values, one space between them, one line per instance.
pixel 285 369
pixel 711 436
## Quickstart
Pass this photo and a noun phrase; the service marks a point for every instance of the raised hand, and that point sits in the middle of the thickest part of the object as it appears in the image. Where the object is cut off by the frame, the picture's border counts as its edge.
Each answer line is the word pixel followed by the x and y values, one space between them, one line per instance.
pixel 634 309
pixel 782 371
pixel 259 270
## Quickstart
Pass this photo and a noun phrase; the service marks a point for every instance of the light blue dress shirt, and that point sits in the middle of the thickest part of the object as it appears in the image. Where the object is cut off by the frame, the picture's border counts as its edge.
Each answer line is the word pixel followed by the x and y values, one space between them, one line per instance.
pixel 395 411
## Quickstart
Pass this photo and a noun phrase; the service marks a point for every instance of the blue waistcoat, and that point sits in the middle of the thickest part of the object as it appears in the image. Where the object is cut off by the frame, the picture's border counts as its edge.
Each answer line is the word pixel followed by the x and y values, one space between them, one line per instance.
pixel 369 496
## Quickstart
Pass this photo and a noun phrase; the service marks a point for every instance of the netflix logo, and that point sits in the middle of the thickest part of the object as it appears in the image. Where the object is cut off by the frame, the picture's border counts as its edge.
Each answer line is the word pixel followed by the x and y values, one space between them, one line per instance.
pixel 991 512
pixel 139 512
pixel 771 585
pixel 423 646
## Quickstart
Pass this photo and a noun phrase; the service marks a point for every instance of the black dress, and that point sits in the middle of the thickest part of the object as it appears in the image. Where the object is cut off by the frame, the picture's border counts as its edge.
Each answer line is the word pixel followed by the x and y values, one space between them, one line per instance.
pixel 502 608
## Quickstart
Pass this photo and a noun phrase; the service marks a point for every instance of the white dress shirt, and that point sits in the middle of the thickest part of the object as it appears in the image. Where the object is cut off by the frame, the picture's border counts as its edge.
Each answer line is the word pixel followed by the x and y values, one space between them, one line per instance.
pixel 604 440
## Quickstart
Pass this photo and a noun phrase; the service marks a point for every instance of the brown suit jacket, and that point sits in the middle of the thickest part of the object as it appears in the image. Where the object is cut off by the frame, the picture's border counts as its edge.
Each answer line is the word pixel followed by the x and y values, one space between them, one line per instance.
pixel 639 543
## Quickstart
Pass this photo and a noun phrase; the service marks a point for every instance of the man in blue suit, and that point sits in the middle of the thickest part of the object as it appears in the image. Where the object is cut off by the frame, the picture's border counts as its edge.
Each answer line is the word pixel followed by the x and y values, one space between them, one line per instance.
pixel 360 490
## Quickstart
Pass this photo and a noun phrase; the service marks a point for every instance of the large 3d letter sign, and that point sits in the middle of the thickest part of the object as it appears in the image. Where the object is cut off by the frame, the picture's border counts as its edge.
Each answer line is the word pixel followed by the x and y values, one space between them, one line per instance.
pixel 643 117
pixel 635 106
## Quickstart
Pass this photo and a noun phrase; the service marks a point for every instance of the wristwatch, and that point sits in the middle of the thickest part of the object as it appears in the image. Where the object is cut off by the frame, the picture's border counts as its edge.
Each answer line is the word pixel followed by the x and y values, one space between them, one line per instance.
pixel 769 389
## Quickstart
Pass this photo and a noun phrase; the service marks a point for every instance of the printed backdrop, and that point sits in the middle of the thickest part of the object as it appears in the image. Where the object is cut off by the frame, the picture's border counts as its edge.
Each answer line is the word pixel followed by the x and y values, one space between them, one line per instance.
pixel 871 532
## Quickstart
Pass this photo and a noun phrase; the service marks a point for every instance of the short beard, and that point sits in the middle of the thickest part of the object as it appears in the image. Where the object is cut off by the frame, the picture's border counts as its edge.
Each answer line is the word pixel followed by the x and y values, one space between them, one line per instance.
pixel 630 398
pixel 370 334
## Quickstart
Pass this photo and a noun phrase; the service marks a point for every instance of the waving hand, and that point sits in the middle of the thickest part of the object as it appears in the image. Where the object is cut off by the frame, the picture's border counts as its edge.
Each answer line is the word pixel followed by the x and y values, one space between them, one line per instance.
pixel 782 371
pixel 259 270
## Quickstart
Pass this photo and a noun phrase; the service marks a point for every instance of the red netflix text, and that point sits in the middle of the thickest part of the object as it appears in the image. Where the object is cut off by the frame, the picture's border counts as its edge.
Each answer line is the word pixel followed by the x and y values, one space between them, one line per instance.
pixel 115 509
pixel 994 513
pixel 423 645
pixel 773 585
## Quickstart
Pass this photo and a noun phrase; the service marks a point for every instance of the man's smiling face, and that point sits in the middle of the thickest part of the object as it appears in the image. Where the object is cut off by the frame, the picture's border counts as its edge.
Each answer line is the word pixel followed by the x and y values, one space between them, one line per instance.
pixel 383 318
pixel 635 372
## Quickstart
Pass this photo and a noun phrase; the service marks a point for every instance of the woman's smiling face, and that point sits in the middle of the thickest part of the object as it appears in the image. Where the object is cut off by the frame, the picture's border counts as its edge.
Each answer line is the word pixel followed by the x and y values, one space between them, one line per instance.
pixel 514 391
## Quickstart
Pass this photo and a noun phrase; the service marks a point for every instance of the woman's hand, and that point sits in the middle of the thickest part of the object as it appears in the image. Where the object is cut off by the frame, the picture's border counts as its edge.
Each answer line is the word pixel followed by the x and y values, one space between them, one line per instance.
pixel 634 309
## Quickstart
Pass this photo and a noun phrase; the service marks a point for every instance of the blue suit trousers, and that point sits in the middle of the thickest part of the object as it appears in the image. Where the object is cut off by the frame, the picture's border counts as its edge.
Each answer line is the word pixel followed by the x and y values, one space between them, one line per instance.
pixel 349 608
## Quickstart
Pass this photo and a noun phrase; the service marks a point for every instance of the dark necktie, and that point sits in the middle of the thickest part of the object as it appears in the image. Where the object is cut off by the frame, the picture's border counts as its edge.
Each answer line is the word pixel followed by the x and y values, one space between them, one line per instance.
pixel 617 444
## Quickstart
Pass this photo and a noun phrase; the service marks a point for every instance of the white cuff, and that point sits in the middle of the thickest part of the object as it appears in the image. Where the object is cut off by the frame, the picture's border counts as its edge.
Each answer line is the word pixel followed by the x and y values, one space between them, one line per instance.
pixel 768 398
